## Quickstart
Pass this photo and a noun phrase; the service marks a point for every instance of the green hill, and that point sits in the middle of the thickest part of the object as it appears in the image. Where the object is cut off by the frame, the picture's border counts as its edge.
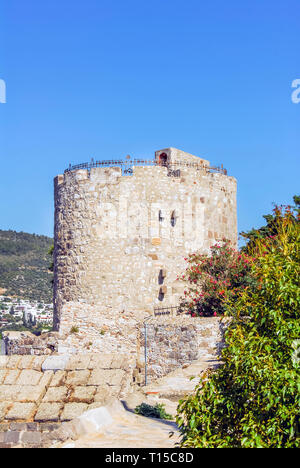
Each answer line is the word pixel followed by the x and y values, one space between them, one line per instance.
pixel 24 265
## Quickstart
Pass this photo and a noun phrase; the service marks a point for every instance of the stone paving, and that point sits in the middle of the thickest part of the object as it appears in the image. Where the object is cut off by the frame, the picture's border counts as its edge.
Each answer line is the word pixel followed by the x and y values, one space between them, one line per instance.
pixel 116 426
pixel 170 389
pixel 87 401
pixel 54 389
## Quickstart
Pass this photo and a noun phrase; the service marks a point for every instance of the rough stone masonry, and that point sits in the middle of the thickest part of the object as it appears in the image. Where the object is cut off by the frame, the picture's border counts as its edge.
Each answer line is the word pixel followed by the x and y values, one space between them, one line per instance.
pixel 38 393
pixel 120 242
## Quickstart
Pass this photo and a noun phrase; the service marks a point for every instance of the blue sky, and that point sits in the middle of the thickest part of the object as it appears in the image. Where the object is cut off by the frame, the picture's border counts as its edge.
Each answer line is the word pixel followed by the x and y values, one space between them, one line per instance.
pixel 105 79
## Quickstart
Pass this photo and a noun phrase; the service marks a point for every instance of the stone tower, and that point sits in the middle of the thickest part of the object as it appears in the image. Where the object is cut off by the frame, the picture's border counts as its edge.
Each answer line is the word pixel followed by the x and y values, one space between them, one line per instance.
pixel 122 231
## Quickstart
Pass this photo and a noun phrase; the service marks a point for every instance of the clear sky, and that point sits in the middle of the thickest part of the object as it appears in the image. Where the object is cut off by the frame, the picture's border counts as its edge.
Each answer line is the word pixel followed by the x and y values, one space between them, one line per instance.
pixel 103 79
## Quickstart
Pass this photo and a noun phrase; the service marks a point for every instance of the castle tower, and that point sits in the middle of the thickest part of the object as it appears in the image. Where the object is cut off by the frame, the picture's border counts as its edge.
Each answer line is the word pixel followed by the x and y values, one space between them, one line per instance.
pixel 122 231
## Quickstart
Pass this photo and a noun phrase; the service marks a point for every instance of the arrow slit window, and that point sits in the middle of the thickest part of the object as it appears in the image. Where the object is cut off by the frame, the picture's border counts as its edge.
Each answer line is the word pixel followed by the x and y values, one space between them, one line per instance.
pixel 173 218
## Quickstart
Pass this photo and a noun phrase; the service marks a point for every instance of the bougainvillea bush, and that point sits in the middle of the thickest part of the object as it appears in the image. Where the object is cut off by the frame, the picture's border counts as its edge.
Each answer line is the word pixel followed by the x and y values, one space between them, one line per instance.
pixel 253 398
pixel 212 279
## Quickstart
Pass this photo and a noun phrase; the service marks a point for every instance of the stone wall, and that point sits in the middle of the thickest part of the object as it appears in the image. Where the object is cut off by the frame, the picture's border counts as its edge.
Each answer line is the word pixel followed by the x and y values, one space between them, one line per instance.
pixel 25 343
pixel 120 242
pixel 176 341
pixel 27 435
pixel 39 392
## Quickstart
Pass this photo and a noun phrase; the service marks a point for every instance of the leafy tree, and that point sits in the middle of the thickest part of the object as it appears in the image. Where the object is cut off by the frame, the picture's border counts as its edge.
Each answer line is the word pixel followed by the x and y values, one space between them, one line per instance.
pixel 212 279
pixel 11 319
pixel 50 253
pixel 51 266
pixel 270 229
pixel 253 399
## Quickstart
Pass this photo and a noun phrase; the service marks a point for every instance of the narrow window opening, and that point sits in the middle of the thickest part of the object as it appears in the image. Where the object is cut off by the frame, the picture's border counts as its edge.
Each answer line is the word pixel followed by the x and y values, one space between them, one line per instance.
pixel 162 293
pixel 163 159
pixel 161 296
pixel 161 276
pixel 173 218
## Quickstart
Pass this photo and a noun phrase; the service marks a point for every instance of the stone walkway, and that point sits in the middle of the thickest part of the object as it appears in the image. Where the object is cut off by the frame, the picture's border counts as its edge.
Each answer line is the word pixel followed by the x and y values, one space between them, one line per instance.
pixel 36 391
pixel 116 426
pixel 170 389
pixel 87 401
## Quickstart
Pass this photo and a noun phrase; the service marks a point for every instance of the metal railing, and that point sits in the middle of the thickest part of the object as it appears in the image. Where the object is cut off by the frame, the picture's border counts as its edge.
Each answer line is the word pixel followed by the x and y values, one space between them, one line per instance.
pixel 128 164
pixel 171 310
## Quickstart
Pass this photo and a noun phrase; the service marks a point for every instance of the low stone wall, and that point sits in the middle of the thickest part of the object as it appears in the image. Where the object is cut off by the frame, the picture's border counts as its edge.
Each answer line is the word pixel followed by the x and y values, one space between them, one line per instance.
pixel 39 391
pixel 175 341
pixel 25 343
pixel 29 435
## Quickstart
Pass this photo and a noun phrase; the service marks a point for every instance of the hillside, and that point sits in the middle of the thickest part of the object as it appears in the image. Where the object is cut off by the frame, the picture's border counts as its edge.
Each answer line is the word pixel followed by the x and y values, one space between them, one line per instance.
pixel 24 263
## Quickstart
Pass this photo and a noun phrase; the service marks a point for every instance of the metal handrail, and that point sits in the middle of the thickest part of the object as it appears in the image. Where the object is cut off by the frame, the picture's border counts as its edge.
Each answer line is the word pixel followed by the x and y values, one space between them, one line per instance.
pixel 145 348
pixel 129 163
pixel 167 310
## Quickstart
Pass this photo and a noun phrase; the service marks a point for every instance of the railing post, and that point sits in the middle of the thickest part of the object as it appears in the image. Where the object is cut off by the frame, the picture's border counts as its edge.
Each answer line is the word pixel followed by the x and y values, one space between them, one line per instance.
pixel 145 347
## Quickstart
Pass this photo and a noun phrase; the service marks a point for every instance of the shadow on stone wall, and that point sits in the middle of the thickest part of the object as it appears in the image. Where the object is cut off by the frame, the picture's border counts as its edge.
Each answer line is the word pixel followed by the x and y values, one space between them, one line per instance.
pixel 175 341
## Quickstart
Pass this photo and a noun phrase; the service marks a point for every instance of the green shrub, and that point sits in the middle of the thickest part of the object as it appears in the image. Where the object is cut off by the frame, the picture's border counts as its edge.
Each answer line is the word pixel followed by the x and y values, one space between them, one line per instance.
pixel 253 399
pixel 74 330
pixel 270 228
pixel 212 279
pixel 157 411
